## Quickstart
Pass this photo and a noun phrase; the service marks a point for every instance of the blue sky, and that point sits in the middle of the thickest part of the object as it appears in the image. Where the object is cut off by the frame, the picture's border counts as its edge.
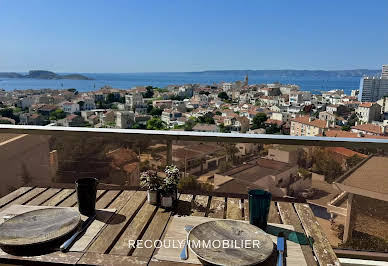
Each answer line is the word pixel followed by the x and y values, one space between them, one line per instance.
pixel 192 35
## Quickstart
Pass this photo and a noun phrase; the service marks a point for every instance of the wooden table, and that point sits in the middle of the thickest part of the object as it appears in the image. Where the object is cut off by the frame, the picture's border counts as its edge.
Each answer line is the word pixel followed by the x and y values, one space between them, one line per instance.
pixel 137 220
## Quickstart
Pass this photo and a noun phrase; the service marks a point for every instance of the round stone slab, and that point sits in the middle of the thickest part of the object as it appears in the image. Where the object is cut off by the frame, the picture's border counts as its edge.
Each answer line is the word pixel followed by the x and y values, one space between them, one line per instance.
pixel 230 242
pixel 38 226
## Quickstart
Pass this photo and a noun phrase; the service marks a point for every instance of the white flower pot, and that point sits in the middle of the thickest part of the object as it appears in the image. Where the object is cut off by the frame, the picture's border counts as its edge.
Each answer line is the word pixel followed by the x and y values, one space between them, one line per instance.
pixel 152 197
pixel 166 201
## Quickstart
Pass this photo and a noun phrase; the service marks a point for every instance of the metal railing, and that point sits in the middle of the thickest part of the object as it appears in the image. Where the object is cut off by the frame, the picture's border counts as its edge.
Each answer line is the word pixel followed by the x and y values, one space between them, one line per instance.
pixel 198 136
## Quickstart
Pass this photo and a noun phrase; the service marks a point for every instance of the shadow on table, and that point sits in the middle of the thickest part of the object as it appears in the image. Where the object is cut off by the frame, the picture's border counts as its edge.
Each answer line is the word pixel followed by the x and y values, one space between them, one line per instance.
pixel 290 235
pixel 103 216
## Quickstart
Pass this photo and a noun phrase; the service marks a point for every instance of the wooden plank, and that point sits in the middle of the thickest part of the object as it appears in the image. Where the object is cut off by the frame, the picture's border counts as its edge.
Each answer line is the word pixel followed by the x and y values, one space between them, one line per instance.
pixel 134 230
pixel 13 195
pixel 217 208
pixel 200 205
pixel 321 245
pixel 116 224
pixel 234 209
pixel 120 201
pixel 185 204
pixel 273 215
pixel 106 199
pixel 44 196
pixel 289 216
pixel 69 201
pixel 56 258
pixel 153 232
pixel 111 260
pixel 54 201
pixel 246 210
pixel 25 197
pixel 102 217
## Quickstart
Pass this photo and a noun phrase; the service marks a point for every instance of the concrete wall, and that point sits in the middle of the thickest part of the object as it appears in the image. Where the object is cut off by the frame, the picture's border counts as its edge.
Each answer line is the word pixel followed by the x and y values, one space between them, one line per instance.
pixel 282 156
pixel 24 158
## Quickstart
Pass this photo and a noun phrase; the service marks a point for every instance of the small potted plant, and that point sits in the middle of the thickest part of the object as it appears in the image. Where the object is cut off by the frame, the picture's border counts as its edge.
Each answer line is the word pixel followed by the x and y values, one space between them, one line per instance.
pixel 172 178
pixel 152 182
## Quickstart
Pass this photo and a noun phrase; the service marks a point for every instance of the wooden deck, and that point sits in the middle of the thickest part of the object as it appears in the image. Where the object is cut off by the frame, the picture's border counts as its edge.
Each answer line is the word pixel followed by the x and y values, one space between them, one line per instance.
pixel 136 220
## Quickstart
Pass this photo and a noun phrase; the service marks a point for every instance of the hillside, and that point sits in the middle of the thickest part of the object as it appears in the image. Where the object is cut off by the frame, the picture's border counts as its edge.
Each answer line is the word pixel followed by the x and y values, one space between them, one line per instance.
pixel 297 73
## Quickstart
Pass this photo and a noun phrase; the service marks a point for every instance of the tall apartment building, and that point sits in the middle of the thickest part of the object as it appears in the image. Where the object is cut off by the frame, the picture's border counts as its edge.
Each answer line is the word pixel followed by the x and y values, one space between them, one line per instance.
pixel 374 88
pixel 384 73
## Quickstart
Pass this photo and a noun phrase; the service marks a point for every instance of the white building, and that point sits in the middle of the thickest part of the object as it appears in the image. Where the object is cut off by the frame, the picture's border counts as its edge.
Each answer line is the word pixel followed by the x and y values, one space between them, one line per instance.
pixel 354 93
pixel 384 72
pixel 281 116
pixel 226 86
pixel 88 104
pixel 26 102
pixel 134 100
pixel 332 109
pixel 368 112
pixel 70 107
pixel 125 119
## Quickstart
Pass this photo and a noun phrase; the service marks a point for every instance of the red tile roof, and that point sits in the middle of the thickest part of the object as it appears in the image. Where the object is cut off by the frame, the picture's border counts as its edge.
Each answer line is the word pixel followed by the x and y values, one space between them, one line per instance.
pixel 346 134
pixel 366 104
pixel 345 152
pixel 273 121
pixel 306 120
pixel 370 128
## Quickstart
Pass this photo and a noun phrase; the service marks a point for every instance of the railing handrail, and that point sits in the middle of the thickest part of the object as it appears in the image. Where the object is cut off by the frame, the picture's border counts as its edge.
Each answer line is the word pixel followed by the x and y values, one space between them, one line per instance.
pixel 199 136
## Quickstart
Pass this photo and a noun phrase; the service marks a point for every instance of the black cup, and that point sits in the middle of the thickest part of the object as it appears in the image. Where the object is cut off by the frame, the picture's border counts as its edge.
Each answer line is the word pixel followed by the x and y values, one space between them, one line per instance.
pixel 86 195
pixel 259 204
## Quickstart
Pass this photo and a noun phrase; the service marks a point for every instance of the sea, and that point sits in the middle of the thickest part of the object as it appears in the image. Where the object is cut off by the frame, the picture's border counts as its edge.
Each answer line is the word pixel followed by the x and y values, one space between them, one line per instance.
pixel 161 80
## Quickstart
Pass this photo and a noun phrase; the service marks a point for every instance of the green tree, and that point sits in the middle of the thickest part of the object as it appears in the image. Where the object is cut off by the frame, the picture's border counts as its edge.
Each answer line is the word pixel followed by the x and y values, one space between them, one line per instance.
pixel 6 112
pixel 149 92
pixel 258 120
pixel 353 161
pixel 138 126
pixel 204 92
pixel 218 113
pixel 345 128
pixel 156 124
pixel 272 129
pixel 190 183
pixel 190 123
pixel 223 95
pixel 352 119
pixel 58 114
pixel 324 164
pixel 343 110
pixel 206 119
pixel 231 151
pixel 225 129
pixel 5 122
pixel 155 111
pixel 110 98
pixel 224 166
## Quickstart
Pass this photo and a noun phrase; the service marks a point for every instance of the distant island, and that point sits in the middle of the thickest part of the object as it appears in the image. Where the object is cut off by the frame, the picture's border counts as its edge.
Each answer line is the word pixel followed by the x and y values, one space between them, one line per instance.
pixel 43 74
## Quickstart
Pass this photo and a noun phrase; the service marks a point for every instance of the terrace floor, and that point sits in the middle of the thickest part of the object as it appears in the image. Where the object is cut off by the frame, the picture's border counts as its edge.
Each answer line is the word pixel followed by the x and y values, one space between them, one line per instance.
pixel 133 218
